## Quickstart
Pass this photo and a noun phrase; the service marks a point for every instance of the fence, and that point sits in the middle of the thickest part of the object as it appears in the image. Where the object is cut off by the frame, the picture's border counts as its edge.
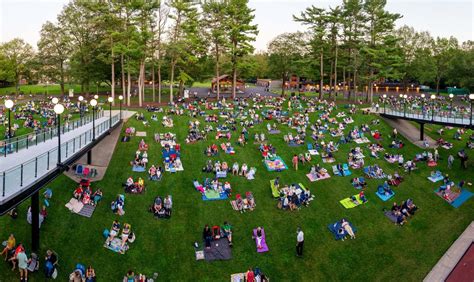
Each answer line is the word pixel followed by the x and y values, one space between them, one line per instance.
pixel 13 145
pixel 18 178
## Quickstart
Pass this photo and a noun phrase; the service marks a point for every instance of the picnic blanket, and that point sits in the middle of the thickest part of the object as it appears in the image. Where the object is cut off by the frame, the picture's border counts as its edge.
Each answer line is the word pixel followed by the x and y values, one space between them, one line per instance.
pixel 237 277
pixel 345 169
pixel 391 216
pixel 174 168
pixel 116 246
pixel 211 195
pixel 138 168
pixel 455 199
pixel 140 133
pixel 220 250
pixel 275 191
pixel 438 176
pixel 349 204
pixel 313 178
pixel 337 230
pixel 313 152
pixel 361 140
pixel 263 243
pixel 277 164
pixel 274 131
pixel 358 186
pixel 384 197
pixel 328 160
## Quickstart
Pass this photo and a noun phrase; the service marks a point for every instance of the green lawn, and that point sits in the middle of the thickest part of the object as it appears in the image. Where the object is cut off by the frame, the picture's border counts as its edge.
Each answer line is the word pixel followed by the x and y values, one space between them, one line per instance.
pixel 382 251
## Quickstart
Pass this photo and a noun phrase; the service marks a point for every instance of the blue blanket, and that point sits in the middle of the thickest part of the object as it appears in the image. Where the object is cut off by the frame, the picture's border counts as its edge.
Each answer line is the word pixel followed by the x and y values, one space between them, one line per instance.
pixel 384 197
pixel 137 168
pixel 335 227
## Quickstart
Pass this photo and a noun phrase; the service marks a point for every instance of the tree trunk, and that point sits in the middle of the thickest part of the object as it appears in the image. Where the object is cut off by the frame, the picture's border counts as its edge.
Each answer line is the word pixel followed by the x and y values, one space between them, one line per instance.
pixel 129 85
pixel 218 89
pixel 330 80
pixel 344 82
pixel 437 85
pixel 123 76
pixel 172 80
pixel 335 70
pixel 61 83
pixel 159 82
pixel 153 79
pixel 355 85
pixel 112 66
pixel 321 82
pixel 283 81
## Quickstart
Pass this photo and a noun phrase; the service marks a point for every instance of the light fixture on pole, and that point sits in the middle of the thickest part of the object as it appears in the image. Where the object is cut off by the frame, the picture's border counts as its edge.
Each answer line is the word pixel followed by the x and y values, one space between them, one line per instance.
pixel 423 104
pixel 451 96
pixel 81 113
pixel 120 106
pixel 384 96
pixel 9 105
pixel 111 100
pixel 471 97
pixel 96 96
pixel 93 104
pixel 55 100
pixel 405 104
pixel 59 109
pixel 433 98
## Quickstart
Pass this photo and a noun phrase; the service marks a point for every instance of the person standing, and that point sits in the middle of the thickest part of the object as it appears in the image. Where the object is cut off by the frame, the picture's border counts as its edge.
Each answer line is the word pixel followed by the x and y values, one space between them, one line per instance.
pixel 299 242
pixel 450 161
pixel 295 162
pixel 22 265
pixel 436 155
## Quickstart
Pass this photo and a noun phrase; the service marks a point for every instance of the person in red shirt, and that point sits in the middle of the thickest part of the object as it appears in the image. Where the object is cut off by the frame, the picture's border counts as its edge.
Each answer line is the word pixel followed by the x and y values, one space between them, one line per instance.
pixel 250 275
pixel 295 162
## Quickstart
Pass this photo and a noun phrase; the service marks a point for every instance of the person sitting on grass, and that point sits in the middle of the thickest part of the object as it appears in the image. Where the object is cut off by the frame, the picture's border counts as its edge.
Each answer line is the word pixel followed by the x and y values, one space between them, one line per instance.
pixel 126 232
pixel 90 274
pixel 11 243
pixel 78 193
pixel 207 236
pixel 113 232
pixel 235 168
pixel 227 232
pixel 258 237
pixel 362 197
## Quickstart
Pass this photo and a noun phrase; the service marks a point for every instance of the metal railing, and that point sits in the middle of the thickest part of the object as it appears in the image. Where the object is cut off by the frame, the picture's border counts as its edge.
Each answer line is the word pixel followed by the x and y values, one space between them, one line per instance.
pixel 430 115
pixel 17 179
pixel 15 144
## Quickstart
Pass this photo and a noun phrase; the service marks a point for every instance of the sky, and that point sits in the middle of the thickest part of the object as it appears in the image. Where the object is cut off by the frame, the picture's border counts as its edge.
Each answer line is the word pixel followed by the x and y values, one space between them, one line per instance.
pixel 24 18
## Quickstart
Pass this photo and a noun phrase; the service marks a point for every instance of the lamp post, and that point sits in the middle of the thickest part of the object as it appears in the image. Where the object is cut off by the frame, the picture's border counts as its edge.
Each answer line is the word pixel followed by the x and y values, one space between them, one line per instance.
pixel 9 105
pixel 451 105
pixel 80 99
pixel 111 100
pixel 384 96
pixel 471 97
pixel 120 106
pixel 59 109
pixel 423 104
pixel 433 98
pixel 404 105
pixel 93 104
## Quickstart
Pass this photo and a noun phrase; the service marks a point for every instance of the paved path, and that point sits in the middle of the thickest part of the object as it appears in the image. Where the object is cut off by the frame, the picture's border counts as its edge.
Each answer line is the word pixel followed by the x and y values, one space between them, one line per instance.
pixel 451 258
pixel 410 132
pixel 102 153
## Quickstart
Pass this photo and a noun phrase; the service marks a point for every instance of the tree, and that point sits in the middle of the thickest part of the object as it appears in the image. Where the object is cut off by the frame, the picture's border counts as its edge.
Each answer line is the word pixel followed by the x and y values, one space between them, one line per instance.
pixel 380 51
pixel 16 54
pixel 213 11
pixel 316 19
pixel 285 51
pixel 443 51
pixel 238 17
pixel 54 50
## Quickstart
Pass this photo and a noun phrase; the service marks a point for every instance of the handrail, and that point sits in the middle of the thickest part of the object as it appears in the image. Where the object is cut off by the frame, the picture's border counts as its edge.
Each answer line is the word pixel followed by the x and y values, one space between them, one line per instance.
pixel 26 173
pixel 25 141
pixel 430 115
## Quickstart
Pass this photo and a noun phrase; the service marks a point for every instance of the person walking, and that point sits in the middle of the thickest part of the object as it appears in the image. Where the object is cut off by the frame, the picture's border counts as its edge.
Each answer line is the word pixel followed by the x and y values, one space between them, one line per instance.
pixel 450 161
pixel 436 155
pixel 299 242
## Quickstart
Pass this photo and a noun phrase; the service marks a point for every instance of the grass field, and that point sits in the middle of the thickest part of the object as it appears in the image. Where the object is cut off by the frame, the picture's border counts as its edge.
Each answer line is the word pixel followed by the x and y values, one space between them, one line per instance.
pixel 381 252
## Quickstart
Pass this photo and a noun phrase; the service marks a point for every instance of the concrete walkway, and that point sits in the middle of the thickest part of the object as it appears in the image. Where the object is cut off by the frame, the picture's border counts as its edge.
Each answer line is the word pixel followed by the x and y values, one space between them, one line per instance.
pixel 410 132
pixel 451 258
pixel 102 153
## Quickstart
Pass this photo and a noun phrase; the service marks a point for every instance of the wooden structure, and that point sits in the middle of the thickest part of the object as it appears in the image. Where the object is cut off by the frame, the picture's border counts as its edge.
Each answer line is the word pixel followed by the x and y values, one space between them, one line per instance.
pixel 225 84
